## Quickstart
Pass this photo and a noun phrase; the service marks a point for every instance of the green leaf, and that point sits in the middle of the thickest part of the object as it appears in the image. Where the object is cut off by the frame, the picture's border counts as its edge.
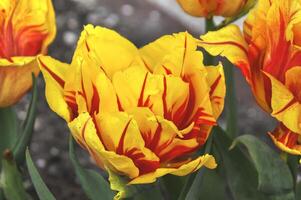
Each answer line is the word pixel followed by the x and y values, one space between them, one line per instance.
pixel 173 185
pixel 8 129
pixel 11 181
pixel 274 176
pixel 41 188
pixel 94 185
pixel 298 190
pixel 230 100
pixel 210 186
pixel 25 138
pixel 236 169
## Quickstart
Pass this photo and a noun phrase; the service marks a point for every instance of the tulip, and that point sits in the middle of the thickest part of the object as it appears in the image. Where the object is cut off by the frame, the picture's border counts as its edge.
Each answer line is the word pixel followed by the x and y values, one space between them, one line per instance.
pixel 209 8
pixel 269 55
pixel 141 113
pixel 27 27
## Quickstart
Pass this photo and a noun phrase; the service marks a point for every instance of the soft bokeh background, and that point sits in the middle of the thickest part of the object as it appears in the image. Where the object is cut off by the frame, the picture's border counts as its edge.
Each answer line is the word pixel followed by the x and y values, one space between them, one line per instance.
pixel 141 21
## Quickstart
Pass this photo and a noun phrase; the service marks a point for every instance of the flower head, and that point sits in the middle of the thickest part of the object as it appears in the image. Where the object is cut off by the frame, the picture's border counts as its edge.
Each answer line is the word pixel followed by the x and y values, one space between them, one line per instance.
pixel 208 8
pixel 269 56
pixel 140 113
pixel 27 27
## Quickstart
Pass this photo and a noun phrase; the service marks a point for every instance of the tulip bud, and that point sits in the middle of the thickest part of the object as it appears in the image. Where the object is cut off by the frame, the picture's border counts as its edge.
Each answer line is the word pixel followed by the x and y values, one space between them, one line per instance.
pixel 209 8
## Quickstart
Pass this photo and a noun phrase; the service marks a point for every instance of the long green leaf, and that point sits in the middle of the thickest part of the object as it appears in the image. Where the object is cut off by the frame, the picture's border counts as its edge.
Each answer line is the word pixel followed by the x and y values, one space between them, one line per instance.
pixel 94 185
pixel 8 129
pixel 41 188
pixel 274 176
pixel 11 181
pixel 298 190
pixel 25 138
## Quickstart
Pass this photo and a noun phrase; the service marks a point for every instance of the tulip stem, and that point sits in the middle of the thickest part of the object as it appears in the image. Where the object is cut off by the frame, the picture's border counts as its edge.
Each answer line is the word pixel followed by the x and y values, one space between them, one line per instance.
pixel 209 25
pixel 230 101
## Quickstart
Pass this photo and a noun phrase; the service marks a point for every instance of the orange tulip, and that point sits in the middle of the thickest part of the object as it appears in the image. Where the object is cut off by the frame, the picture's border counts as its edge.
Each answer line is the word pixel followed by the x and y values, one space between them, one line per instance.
pixel 209 8
pixel 269 55
pixel 140 113
pixel 27 27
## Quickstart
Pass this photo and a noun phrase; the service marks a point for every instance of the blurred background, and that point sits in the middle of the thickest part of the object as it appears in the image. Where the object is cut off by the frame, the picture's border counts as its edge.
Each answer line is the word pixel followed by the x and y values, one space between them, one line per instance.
pixel 141 21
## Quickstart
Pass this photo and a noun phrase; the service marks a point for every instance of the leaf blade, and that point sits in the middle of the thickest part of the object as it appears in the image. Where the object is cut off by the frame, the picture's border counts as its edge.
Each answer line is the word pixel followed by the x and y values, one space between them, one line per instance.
pixel 92 182
pixel 41 188
pixel 23 141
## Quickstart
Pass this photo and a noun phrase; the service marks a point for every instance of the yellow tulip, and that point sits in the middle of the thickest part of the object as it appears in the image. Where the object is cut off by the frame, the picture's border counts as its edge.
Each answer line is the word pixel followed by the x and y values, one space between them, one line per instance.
pixel 141 113
pixel 269 56
pixel 27 27
pixel 209 8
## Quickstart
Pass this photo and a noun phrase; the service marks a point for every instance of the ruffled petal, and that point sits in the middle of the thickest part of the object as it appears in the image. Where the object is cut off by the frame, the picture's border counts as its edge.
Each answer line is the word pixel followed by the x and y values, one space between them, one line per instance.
pixel 286 140
pixel 284 105
pixel 115 52
pixel 192 166
pixel 126 140
pixel 84 131
pixel 54 73
pixel 216 83
pixel 230 43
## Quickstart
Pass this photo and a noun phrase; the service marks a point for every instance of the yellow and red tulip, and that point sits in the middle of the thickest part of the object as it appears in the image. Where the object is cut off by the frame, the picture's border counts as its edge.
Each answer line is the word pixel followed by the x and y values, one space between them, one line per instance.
pixel 209 8
pixel 27 27
pixel 141 113
pixel 269 56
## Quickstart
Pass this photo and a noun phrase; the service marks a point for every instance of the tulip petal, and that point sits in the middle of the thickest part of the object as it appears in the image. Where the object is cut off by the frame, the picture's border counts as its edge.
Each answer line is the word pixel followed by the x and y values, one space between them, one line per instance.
pixel 126 140
pixel 166 96
pixel 54 73
pixel 16 76
pixel 228 42
pixel 192 166
pixel 115 52
pixel 84 132
pixel 161 136
pixel 284 105
pixel 216 82
pixel 34 20
pixel 28 27
pixel 96 92
pixel 293 81
pixel 286 140
pixel 168 54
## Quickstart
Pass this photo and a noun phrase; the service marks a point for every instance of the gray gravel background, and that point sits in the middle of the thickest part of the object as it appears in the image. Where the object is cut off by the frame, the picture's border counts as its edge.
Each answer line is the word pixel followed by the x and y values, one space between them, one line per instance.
pixel 141 22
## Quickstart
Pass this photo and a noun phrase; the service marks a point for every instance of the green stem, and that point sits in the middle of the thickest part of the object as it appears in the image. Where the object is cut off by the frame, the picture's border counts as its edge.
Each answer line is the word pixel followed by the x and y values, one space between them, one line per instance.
pixel 230 20
pixel 187 185
pixel 209 25
pixel 231 101
pixel 1 194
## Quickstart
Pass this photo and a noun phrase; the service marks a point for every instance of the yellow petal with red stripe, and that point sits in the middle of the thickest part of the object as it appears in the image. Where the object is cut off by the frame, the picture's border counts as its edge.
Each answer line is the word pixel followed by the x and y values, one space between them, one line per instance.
pixel 125 53
pixel 216 83
pixel 84 131
pixel 284 105
pixel 126 140
pixel 230 43
pixel 192 166
pixel 16 79
pixel 286 140
pixel 54 73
